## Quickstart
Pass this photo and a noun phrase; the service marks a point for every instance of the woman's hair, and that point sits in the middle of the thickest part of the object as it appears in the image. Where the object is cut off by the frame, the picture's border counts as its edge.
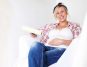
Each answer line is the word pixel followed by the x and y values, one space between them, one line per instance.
pixel 60 5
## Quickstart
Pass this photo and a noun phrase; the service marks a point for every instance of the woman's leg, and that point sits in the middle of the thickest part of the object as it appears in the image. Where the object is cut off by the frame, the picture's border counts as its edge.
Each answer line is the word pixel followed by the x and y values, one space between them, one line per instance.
pixel 53 54
pixel 43 56
pixel 35 56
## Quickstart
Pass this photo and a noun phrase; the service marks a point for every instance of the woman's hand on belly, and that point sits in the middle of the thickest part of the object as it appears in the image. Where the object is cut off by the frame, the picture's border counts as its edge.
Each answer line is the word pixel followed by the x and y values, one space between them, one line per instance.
pixel 55 42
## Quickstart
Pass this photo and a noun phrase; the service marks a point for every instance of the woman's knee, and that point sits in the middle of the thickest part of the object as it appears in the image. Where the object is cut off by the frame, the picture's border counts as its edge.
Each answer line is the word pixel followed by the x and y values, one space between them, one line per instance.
pixel 36 47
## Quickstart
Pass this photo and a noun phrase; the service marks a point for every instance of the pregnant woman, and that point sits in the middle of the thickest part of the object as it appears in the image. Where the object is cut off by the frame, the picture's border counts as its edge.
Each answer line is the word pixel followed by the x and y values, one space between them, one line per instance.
pixel 54 40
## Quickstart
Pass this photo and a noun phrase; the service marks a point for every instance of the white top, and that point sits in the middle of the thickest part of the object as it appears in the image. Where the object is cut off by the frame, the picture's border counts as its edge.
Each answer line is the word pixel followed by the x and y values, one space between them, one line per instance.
pixel 64 33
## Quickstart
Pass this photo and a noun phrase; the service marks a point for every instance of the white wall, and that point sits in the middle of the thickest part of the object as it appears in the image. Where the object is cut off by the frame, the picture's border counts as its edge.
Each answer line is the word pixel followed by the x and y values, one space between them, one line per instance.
pixel 5 15
pixel 15 13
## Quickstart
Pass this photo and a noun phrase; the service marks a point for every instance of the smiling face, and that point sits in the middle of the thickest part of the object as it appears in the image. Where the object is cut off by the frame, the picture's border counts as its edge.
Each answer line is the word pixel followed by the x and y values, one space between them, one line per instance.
pixel 60 14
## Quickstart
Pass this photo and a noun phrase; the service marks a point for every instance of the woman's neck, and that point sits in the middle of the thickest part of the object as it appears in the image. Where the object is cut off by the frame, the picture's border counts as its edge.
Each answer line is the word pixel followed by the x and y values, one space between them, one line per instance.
pixel 62 24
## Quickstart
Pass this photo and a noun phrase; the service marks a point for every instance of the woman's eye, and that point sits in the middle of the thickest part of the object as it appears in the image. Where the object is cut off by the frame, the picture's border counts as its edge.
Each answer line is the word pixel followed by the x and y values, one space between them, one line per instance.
pixel 57 13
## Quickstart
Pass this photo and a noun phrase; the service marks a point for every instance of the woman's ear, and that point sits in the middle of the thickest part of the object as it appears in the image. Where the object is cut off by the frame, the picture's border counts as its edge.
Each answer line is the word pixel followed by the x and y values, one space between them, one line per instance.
pixel 67 12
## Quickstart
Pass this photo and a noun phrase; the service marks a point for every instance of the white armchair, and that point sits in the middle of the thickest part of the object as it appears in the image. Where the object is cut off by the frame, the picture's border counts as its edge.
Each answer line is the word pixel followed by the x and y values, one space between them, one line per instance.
pixel 24 45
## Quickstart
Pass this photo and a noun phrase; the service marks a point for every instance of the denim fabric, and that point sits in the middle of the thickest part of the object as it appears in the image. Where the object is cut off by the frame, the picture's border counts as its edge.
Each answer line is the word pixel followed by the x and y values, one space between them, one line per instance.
pixel 43 56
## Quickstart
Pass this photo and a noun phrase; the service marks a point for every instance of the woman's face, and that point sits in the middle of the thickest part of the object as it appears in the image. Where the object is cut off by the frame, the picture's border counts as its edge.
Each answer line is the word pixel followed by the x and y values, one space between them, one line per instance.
pixel 60 14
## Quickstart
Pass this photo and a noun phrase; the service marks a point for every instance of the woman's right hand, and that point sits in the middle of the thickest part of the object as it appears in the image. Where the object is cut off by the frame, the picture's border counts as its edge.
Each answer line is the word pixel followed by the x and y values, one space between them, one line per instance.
pixel 55 42
pixel 33 35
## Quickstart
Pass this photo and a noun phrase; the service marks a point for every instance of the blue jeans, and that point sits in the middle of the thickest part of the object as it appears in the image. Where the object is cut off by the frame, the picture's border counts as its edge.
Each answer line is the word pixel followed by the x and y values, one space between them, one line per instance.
pixel 43 56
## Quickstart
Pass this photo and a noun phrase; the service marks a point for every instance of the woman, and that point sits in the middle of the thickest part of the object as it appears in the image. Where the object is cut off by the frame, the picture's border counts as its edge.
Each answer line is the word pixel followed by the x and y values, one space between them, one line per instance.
pixel 41 55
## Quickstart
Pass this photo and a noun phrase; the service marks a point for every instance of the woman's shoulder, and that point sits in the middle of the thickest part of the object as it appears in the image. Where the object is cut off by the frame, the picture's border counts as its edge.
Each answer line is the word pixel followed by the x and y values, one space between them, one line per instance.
pixel 74 24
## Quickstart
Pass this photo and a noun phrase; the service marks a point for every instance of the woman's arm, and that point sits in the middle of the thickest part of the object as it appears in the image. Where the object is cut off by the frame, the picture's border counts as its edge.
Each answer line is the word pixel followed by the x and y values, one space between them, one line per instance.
pixel 67 42
pixel 57 42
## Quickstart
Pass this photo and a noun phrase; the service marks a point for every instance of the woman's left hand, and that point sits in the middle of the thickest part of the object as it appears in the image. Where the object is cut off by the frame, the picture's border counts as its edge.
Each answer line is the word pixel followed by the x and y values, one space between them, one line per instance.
pixel 56 42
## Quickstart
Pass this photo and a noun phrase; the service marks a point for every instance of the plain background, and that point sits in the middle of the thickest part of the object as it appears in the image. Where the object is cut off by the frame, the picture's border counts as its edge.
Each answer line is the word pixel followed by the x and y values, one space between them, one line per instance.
pixel 36 13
